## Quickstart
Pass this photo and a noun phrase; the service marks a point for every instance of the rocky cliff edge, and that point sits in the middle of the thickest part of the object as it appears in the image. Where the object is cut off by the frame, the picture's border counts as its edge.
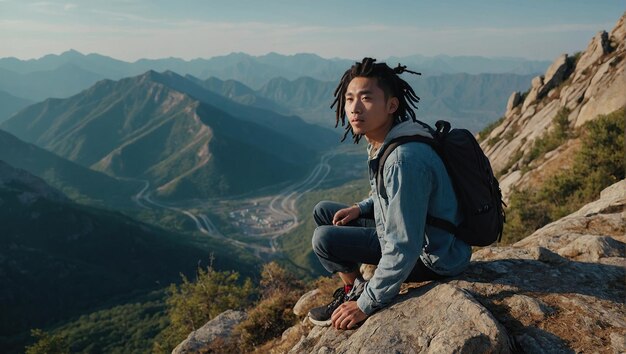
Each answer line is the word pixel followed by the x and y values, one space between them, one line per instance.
pixel 560 290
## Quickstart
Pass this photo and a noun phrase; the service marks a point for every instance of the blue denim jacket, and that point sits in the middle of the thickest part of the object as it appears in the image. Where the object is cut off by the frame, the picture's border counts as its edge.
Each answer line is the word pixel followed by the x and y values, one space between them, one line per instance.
pixel 417 184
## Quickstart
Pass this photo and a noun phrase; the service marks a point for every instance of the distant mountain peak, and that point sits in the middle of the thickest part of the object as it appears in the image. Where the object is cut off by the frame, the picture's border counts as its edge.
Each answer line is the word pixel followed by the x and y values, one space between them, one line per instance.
pixel 72 53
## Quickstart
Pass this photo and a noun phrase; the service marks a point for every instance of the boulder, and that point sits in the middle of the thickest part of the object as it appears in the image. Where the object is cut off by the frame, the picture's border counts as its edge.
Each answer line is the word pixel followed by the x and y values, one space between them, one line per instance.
pixel 555 75
pixel 434 318
pixel 306 302
pixel 618 34
pixel 533 94
pixel 605 92
pixel 513 101
pixel 598 47
pixel 218 328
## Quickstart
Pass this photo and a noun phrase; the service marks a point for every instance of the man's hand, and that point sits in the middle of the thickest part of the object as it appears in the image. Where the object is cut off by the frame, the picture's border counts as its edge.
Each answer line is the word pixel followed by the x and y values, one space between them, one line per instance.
pixel 347 315
pixel 344 216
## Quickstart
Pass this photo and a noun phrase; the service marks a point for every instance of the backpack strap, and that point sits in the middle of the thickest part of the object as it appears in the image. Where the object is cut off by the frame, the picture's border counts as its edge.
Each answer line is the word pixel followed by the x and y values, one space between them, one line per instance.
pixel 387 150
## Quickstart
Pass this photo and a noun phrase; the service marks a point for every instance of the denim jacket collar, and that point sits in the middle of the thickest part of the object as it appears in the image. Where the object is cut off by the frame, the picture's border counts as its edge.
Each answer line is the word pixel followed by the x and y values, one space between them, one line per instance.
pixel 406 128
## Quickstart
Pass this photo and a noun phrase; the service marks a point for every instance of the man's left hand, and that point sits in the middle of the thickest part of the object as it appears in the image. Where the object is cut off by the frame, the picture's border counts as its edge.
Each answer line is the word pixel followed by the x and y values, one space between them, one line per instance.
pixel 347 315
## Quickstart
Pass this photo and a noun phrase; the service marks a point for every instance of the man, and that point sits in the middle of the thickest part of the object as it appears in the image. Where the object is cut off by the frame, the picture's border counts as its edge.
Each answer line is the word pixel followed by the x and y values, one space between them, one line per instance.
pixel 378 105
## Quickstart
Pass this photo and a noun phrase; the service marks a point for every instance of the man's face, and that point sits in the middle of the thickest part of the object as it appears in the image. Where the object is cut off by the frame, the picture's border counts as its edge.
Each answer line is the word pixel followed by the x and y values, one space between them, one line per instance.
pixel 367 110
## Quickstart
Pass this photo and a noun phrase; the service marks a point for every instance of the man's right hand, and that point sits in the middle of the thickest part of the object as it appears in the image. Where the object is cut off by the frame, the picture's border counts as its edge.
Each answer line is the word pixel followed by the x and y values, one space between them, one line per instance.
pixel 344 216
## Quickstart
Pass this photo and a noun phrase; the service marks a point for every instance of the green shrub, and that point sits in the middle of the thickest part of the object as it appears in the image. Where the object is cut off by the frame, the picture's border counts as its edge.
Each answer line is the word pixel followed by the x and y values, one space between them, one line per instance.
pixel 48 344
pixel 599 163
pixel 192 304
pixel 482 135
pixel 273 314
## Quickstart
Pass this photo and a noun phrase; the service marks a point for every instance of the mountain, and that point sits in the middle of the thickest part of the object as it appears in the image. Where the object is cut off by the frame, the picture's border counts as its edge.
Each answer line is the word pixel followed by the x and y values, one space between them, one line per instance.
pixel 468 101
pixel 240 93
pixel 10 104
pixel 187 141
pixel 78 182
pixel 59 259
pixel 306 97
pixel 62 81
pixel 540 131
pixel 35 79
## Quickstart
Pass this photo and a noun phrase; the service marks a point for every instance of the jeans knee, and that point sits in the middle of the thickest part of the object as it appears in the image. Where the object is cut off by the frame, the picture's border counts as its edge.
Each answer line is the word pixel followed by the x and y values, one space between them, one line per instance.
pixel 322 211
pixel 320 240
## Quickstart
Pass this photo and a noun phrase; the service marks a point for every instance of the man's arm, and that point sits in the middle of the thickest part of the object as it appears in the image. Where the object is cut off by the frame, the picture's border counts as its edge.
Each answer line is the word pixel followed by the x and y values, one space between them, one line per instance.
pixel 408 184
pixel 366 206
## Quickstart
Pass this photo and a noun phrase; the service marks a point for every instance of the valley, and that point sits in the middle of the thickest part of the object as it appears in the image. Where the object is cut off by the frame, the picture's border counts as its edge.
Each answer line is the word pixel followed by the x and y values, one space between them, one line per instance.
pixel 262 219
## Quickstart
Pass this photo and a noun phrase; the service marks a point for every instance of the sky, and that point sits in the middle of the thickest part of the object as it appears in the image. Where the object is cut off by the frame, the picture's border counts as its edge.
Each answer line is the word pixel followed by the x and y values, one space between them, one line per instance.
pixel 189 29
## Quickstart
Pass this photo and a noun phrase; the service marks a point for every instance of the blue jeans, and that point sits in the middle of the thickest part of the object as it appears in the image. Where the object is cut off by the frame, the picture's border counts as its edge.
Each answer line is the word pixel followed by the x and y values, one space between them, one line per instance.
pixel 343 248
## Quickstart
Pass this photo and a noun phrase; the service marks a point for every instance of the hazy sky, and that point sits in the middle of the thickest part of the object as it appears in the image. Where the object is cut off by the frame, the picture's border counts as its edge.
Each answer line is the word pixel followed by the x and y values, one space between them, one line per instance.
pixel 132 29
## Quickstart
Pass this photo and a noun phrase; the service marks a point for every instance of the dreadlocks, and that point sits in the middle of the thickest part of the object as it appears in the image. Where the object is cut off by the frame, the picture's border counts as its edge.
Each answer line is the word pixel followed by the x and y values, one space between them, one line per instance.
pixel 388 81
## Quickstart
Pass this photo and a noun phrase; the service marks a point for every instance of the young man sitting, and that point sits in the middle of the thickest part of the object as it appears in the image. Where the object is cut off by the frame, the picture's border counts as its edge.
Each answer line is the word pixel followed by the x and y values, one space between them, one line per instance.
pixel 391 232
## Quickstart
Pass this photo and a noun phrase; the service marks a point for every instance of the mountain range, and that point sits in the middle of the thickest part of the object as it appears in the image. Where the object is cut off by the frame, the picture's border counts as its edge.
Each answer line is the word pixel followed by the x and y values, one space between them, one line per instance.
pixel 184 139
pixel 63 75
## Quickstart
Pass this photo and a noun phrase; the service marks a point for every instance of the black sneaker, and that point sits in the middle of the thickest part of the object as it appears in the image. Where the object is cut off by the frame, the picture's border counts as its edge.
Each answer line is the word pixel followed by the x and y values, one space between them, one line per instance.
pixel 320 316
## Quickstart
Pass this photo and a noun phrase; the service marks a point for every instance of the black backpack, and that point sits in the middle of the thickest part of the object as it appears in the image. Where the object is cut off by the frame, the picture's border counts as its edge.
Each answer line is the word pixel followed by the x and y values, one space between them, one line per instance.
pixel 477 189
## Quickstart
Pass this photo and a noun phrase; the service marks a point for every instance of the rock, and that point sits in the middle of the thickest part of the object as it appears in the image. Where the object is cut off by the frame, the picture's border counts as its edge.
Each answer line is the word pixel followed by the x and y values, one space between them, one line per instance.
pixel 367 270
pixel 555 75
pixel 533 94
pixel 432 319
pixel 597 88
pixel 513 101
pixel 522 305
pixel 573 95
pixel 218 328
pixel 618 34
pixel 590 248
pixel 305 303
pixel 544 294
pixel 618 342
pixel 605 96
pixel 598 47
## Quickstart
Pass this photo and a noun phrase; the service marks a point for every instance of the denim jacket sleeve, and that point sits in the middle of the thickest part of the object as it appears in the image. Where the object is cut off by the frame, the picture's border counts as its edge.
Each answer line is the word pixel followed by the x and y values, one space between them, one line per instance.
pixel 408 184
pixel 366 206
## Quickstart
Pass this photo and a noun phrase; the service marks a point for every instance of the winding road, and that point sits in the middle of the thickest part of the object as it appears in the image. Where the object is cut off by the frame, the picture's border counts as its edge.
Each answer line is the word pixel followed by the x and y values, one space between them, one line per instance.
pixel 283 206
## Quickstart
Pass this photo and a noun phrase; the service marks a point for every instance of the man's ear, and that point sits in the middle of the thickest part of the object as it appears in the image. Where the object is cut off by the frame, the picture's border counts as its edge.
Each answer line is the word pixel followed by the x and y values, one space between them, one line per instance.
pixel 392 105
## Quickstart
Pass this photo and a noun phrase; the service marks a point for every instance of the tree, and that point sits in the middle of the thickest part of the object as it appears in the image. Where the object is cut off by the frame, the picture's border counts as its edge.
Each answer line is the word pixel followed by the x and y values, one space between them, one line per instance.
pixel 46 343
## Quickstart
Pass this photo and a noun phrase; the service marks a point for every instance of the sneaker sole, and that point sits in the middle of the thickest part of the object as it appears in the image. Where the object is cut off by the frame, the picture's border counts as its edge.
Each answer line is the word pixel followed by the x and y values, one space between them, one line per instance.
pixel 321 323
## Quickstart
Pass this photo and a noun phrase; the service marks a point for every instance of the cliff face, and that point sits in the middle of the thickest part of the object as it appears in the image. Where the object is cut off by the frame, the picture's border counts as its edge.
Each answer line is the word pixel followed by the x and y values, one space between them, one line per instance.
pixel 581 87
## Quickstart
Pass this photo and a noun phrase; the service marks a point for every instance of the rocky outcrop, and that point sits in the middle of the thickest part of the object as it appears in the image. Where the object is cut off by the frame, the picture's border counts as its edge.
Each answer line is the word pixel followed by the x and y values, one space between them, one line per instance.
pixel 559 290
pixel 598 47
pixel 586 87
pixel 218 328
pixel 556 74
pixel 514 101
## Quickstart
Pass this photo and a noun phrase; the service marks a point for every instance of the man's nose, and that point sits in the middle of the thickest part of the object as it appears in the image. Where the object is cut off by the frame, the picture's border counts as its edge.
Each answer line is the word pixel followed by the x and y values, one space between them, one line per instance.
pixel 356 106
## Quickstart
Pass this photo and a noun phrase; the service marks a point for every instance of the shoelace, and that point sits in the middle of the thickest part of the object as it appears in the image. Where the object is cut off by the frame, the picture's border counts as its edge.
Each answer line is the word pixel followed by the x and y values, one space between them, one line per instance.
pixel 338 296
